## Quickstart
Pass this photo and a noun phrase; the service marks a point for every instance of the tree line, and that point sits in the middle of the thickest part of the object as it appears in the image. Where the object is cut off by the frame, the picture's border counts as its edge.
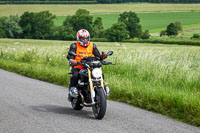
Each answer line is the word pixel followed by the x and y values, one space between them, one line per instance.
pixel 40 25
pixel 150 1
pixel 94 1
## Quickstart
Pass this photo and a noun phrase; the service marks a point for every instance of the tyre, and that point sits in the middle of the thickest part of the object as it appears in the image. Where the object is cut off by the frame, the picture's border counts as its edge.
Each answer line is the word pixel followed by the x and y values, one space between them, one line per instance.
pixel 76 104
pixel 99 109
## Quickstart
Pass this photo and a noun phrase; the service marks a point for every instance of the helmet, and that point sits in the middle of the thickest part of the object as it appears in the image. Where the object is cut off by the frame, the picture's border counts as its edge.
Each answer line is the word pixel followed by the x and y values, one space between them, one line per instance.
pixel 83 37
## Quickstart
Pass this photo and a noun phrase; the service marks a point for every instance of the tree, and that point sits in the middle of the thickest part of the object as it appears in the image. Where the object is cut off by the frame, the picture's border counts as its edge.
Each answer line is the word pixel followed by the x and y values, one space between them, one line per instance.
pixel 64 33
pixel 117 32
pixel 2 22
pixel 12 28
pixel 132 23
pixel 172 30
pixel 2 34
pixel 81 20
pixel 98 28
pixel 37 25
pixel 81 12
pixel 27 23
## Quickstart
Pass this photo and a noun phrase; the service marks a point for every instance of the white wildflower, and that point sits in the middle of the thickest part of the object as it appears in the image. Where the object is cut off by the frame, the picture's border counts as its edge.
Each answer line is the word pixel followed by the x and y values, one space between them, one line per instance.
pixel 117 44
pixel 16 43
pixel 124 47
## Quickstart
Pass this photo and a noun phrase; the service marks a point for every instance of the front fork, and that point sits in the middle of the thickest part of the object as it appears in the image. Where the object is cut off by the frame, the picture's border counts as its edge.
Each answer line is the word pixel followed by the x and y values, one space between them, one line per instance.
pixel 92 88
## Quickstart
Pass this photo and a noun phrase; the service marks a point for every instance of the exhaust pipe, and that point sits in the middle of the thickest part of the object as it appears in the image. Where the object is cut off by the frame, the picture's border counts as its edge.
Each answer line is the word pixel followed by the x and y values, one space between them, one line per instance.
pixel 84 103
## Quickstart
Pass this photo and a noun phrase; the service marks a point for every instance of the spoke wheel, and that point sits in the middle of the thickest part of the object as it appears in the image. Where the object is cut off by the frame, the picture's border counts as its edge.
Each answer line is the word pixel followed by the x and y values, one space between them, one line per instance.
pixel 99 109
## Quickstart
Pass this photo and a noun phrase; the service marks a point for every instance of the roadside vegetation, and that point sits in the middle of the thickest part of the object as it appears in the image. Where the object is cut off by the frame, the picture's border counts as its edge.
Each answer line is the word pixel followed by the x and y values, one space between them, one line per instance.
pixel 156 77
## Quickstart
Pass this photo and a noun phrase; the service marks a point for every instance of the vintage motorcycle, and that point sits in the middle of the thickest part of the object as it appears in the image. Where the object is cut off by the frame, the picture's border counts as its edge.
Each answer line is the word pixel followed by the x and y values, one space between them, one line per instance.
pixel 91 90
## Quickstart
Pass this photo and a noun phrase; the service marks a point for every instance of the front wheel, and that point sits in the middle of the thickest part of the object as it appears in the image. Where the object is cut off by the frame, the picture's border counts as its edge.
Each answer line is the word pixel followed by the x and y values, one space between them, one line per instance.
pixel 99 109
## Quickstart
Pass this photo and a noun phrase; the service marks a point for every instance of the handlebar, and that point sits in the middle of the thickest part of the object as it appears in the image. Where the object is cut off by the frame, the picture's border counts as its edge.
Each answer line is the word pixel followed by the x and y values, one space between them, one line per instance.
pixel 89 63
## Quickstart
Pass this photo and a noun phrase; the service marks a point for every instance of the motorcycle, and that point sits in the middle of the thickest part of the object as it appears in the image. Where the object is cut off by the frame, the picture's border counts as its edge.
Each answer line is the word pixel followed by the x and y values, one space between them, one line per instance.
pixel 91 90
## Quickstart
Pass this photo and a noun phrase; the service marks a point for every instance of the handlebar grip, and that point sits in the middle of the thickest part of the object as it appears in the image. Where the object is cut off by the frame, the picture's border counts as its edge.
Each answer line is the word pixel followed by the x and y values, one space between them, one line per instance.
pixel 106 63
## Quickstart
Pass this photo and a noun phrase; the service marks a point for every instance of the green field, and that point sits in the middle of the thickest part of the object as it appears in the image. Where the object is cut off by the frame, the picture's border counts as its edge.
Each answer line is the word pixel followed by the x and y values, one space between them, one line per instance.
pixel 154 17
pixel 156 77
pixel 155 22
pixel 64 10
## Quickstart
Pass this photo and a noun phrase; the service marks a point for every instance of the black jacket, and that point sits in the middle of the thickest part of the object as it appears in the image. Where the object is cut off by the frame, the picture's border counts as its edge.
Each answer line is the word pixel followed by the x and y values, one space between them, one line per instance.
pixel 73 49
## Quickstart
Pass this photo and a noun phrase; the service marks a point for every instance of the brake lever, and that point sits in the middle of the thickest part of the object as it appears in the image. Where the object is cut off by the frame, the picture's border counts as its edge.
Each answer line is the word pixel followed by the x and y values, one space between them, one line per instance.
pixel 109 63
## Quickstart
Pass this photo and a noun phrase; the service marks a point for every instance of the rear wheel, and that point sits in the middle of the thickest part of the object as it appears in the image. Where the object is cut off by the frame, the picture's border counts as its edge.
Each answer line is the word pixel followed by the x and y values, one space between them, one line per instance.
pixel 76 104
pixel 99 109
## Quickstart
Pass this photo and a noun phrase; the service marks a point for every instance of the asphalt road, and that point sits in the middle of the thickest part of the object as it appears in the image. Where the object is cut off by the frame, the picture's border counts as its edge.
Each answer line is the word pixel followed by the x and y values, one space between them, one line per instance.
pixel 32 106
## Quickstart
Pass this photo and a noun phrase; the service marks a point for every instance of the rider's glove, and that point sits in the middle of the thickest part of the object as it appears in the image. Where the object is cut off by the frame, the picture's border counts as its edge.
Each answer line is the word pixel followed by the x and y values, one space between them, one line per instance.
pixel 103 56
pixel 72 61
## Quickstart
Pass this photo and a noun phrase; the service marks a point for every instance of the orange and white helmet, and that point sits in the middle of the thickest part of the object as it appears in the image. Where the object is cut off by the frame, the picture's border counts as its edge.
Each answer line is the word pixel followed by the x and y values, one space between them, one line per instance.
pixel 83 37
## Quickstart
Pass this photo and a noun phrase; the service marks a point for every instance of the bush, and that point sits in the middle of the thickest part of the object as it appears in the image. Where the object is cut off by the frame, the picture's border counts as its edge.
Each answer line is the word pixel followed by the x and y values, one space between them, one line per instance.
pixel 196 36
pixel 172 30
pixel 178 26
pixel 145 35
pixel 163 33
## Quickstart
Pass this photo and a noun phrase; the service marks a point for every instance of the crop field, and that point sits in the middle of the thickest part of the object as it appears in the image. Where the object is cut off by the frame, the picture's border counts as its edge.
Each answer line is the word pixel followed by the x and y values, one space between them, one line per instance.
pixel 64 10
pixel 160 78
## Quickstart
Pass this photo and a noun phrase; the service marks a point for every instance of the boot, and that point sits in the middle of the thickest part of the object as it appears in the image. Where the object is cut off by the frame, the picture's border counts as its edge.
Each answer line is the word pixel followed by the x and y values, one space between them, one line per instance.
pixel 69 98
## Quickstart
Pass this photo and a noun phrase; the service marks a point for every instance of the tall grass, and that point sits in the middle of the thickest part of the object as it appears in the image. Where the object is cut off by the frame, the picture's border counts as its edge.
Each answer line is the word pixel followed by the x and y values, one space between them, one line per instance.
pixel 160 78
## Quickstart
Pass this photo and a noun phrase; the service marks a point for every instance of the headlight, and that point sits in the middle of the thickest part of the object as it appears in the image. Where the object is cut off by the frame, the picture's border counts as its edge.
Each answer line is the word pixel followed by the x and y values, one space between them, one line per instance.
pixel 96 72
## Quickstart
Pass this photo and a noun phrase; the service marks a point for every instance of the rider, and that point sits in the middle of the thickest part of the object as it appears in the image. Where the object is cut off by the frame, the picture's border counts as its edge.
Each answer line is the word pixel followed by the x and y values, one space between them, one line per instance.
pixel 83 47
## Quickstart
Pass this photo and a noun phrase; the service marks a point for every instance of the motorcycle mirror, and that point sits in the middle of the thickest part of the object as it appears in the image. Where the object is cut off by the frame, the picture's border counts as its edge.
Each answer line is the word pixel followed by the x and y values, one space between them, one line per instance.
pixel 110 53
pixel 72 53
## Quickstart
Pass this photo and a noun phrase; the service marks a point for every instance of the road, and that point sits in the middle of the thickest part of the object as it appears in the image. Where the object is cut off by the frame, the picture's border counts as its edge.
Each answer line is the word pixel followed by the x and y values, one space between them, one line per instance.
pixel 32 106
